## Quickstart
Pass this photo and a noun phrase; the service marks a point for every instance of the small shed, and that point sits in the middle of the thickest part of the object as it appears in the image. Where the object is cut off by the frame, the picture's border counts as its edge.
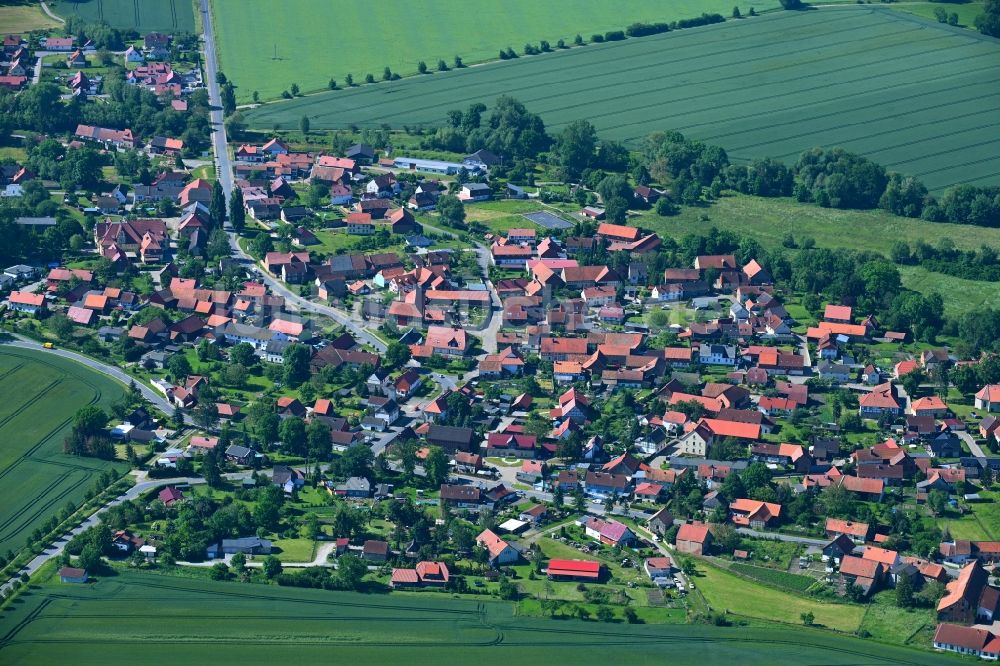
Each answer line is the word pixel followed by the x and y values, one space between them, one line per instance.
pixel 72 575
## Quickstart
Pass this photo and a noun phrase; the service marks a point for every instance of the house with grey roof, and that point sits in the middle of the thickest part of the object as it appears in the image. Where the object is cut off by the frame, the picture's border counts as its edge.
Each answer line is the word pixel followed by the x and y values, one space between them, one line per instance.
pixel 356 486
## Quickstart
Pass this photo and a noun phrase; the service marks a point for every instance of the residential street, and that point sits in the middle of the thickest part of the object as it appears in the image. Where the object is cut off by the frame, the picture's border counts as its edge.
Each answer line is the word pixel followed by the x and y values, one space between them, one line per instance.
pixel 225 173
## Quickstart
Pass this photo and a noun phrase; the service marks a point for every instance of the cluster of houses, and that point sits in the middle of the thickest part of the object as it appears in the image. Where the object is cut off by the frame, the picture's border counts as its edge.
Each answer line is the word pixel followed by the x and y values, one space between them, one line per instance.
pixel 358 181
pixel 15 62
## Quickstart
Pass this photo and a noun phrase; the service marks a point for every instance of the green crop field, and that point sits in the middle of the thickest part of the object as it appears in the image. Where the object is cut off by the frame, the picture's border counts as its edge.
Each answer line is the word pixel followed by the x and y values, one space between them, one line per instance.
pixel 315 40
pixel 140 15
pixel 919 97
pixel 198 621
pixel 39 394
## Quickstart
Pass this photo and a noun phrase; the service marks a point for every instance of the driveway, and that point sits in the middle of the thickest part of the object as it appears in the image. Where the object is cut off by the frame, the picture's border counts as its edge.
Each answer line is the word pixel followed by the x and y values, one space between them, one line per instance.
pixel 970 441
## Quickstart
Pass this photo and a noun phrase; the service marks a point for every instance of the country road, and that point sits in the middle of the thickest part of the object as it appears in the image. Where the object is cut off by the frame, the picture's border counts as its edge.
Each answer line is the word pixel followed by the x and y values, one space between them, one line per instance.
pixel 158 400
pixel 59 545
pixel 225 170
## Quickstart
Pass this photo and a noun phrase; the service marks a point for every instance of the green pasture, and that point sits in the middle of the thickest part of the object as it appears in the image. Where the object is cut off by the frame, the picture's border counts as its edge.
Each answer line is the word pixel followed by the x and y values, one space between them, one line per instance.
pixel 967 11
pixel 39 394
pixel 769 220
pixel 919 97
pixel 982 524
pixel 725 591
pixel 308 42
pixel 194 620
pixel 139 15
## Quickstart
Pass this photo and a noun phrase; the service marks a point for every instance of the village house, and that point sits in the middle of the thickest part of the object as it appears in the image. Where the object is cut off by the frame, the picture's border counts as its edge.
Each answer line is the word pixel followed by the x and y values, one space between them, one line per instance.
pixel 694 539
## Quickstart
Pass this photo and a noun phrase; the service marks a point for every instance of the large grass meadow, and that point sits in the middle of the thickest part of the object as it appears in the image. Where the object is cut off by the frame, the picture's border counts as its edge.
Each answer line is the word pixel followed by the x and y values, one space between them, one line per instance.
pixel 162 618
pixel 316 40
pixel 919 97
pixel 141 15
pixel 39 394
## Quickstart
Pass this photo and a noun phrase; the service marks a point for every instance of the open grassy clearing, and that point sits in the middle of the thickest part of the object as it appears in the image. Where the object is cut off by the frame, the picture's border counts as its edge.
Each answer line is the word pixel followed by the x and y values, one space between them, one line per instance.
pixel 967 11
pixel 140 15
pixel 724 591
pixel 870 80
pixel 25 18
pixel 203 621
pixel 39 394
pixel 887 622
pixel 983 524
pixel 315 41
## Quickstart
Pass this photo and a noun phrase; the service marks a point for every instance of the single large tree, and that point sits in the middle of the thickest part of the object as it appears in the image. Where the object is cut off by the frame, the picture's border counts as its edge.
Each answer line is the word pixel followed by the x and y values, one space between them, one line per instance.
pixel 576 145
pixel 452 210
pixel 90 421
pixel 296 362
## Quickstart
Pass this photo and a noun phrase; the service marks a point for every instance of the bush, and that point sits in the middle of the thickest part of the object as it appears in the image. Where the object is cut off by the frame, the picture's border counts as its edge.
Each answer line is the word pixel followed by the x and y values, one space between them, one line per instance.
pixel 643 29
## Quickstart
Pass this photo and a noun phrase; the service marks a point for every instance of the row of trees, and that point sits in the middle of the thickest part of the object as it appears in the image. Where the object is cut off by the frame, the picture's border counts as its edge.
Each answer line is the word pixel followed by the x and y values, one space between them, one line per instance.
pixel 982 264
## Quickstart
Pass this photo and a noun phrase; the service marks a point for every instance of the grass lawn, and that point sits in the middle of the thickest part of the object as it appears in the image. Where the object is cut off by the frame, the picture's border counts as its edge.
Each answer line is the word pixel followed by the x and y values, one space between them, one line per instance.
pixel 770 219
pixel 39 395
pixel 959 295
pixel 295 550
pixel 205 172
pixel 198 621
pixel 983 524
pixel 16 154
pixel 299 31
pixel 723 590
pixel 25 18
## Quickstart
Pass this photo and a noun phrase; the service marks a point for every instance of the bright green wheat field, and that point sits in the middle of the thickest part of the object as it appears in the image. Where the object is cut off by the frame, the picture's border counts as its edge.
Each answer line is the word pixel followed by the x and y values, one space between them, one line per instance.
pixel 161 619
pixel 318 40
pixel 141 15
pixel 919 97
pixel 39 394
